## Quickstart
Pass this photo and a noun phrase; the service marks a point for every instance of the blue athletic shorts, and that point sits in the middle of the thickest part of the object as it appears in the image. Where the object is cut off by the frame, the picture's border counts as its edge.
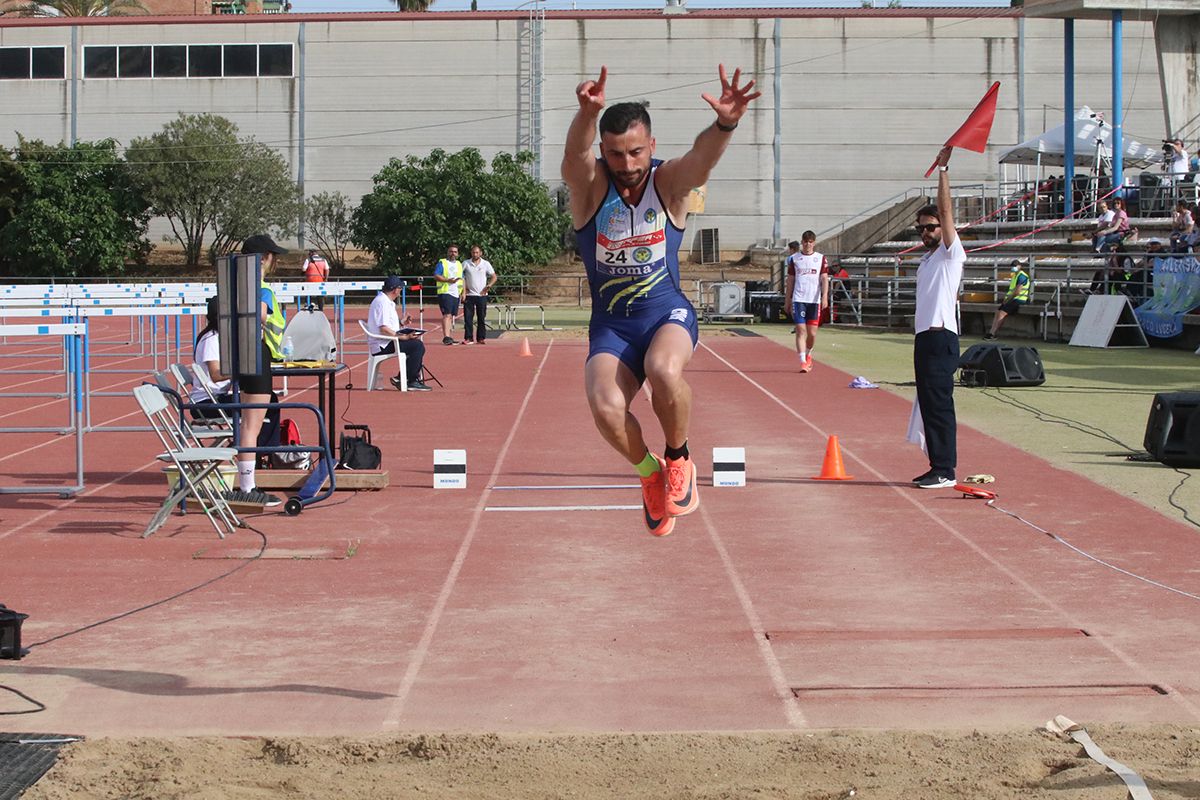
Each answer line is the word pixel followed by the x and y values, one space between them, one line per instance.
pixel 628 338
pixel 806 313
pixel 448 303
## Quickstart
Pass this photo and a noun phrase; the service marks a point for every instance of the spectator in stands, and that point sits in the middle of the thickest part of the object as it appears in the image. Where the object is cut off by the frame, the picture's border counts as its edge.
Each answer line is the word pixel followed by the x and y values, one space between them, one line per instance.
pixel 316 270
pixel 1176 164
pixel 1020 289
pixel 1183 224
pixel 1115 276
pixel 935 349
pixel 1115 231
pixel 478 278
pixel 807 294
pixel 1141 284
pixel 383 320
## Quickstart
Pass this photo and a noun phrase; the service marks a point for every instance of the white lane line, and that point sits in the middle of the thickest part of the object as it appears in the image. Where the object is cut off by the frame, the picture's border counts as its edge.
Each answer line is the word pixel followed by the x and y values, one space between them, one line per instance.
pixel 909 496
pixel 580 486
pixel 791 705
pixel 439 606
pixel 563 508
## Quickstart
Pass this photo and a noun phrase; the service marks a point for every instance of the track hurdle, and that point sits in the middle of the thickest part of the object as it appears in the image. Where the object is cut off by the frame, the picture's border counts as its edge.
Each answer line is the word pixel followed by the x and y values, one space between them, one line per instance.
pixel 72 341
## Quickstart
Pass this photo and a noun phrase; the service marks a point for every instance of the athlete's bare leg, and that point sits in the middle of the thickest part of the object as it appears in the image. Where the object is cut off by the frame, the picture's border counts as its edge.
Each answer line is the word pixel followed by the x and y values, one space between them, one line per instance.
pixel 800 338
pixel 671 397
pixel 812 336
pixel 611 388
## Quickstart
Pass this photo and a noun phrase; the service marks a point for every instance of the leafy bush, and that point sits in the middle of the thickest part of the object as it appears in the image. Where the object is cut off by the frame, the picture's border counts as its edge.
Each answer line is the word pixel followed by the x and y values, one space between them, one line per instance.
pixel 69 211
pixel 420 206
pixel 327 225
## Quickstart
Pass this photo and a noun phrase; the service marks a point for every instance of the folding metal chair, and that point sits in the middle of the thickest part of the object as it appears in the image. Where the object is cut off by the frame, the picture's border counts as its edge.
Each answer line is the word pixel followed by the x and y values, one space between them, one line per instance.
pixel 214 432
pixel 197 466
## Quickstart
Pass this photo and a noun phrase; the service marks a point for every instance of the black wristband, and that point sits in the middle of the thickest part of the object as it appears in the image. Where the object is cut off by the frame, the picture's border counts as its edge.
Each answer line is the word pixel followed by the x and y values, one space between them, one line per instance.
pixel 725 128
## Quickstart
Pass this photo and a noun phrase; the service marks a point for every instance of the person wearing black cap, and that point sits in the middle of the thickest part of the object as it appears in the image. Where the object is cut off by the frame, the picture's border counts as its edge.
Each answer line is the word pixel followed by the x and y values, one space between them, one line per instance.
pixel 255 387
pixel 382 320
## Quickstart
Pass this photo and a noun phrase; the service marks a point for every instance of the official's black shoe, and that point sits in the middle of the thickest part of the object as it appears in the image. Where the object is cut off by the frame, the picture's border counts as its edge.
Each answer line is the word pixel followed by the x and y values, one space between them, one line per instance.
pixel 932 481
pixel 419 386
pixel 922 477
pixel 989 337
pixel 396 382
pixel 448 340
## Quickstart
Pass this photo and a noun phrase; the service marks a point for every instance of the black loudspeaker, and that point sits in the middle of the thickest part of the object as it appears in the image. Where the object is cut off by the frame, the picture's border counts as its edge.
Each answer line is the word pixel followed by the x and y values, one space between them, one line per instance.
pixel 992 364
pixel 10 633
pixel 1173 429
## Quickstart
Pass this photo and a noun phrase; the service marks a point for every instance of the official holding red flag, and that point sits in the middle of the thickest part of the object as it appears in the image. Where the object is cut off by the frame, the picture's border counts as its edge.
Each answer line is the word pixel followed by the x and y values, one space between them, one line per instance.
pixel 973 135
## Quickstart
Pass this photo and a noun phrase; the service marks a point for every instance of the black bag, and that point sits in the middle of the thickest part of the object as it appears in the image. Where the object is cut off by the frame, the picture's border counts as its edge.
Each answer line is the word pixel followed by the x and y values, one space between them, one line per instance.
pixel 357 452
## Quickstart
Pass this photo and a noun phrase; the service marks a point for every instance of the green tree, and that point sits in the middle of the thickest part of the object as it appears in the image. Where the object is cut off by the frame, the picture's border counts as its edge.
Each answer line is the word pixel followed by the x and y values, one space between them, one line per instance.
pixel 212 186
pixel 413 5
pixel 80 8
pixel 419 206
pixel 69 211
pixel 327 224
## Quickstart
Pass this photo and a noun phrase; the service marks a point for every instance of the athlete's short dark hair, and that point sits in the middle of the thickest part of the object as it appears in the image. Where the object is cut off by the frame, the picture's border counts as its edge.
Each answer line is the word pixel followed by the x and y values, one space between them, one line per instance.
pixel 794 244
pixel 929 211
pixel 617 118
pixel 808 236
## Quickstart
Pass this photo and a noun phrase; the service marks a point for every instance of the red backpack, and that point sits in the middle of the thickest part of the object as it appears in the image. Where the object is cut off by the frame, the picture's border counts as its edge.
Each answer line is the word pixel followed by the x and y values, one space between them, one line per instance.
pixel 289 434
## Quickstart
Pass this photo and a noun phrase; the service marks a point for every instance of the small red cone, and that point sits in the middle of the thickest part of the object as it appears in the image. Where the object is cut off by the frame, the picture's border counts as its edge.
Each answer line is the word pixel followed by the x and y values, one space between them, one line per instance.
pixel 832 469
pixel 525 351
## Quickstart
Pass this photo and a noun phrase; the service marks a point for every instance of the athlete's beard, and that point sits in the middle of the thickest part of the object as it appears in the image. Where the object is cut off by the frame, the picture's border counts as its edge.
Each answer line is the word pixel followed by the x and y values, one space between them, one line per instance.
pixel 930 242
pixel 630 180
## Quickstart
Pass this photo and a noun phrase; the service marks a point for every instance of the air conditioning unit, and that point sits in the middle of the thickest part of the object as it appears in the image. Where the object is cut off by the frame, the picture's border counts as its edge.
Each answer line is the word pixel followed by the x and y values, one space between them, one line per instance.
pixel 710 246
pixel 729 298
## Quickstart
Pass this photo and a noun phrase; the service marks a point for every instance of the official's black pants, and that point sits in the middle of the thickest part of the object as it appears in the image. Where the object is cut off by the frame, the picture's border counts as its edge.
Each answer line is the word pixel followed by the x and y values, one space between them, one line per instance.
pixel 935 360
pixel 414 352
pixel 476 306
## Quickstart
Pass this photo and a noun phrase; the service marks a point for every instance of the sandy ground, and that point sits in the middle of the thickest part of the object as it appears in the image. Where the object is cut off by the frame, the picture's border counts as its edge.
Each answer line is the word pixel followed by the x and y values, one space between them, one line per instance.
pixel 710 766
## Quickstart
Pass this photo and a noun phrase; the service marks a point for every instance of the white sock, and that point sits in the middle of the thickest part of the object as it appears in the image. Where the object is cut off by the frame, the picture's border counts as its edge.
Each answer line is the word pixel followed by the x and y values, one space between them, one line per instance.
pixel 802 355
pixel 245 475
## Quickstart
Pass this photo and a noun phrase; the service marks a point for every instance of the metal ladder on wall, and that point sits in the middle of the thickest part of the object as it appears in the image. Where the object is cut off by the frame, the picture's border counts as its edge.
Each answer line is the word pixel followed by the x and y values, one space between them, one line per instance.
pixel 531 63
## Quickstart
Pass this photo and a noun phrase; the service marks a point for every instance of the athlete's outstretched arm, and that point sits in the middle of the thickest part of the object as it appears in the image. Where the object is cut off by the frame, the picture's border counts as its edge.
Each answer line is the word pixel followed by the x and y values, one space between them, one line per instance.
pixel 579 163
pixel 679 176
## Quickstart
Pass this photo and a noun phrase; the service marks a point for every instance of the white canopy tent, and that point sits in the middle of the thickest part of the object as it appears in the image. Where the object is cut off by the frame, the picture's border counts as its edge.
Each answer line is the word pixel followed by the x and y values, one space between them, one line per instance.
pixel 1092 136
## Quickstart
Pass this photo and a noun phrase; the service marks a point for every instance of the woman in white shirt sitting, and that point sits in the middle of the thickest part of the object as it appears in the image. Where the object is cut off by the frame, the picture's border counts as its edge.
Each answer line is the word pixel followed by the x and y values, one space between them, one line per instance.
pixel 207 368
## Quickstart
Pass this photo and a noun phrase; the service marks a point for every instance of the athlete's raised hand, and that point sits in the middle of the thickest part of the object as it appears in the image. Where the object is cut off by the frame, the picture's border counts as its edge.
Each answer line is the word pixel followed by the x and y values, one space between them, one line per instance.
pixel 734 99
pixel 591 93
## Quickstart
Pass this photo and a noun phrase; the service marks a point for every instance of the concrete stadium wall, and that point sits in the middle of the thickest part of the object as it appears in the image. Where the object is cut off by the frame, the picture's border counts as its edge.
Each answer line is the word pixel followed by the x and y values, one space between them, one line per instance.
pixel 867 96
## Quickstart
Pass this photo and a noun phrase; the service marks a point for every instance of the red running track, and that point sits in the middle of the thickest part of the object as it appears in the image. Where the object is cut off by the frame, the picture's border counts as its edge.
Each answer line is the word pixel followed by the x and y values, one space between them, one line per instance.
pixel 790 603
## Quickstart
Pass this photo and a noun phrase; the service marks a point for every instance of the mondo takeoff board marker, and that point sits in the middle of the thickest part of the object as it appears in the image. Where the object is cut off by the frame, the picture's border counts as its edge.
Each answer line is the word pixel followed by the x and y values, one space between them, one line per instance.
pixel 449 469
pixel 729 466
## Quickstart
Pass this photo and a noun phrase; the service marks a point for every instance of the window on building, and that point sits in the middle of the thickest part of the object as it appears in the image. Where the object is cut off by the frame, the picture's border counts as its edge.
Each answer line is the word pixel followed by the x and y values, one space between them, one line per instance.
pixel 204 61
pixel 49 63
pixel 241 60
pixel 14 63
pixel 157 61
pixel 134 61
pixel 275 60
pixel 170 61
pixel 100 62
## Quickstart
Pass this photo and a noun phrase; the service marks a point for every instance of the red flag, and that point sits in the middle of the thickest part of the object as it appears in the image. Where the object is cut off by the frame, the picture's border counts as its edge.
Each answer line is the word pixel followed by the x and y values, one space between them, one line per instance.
pixel 973 134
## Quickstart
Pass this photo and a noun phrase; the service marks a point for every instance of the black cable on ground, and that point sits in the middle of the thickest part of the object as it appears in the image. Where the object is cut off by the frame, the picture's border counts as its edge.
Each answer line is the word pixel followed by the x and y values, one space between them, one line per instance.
pixel 262 549
pixel 1055 419
pixel 40 705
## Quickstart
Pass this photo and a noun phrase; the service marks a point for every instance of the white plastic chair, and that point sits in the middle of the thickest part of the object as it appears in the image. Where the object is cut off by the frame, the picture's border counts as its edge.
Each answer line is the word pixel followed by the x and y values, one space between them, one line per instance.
pixel 197 466
pixel 373 361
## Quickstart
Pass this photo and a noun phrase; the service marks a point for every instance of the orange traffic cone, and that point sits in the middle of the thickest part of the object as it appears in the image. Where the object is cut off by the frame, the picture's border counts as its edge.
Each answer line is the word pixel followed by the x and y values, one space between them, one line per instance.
pixel 525 351
pixel 832 469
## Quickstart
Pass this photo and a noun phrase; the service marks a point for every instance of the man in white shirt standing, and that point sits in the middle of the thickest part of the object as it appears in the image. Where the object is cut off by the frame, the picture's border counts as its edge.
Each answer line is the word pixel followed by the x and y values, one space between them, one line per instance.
pixel 935 349
pixel 807 293
pixel 1176 159
pixel 383 320
pixel 478 278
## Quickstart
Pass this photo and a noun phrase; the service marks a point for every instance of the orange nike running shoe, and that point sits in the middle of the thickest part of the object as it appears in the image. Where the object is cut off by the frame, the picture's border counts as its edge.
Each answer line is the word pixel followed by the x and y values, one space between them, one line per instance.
pixel 682 494
pixel 654 495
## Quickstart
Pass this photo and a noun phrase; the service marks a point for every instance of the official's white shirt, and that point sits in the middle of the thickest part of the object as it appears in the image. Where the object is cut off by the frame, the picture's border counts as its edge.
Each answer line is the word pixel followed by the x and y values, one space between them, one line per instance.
pixel 382 314
pixel 476 276
pixel 938 280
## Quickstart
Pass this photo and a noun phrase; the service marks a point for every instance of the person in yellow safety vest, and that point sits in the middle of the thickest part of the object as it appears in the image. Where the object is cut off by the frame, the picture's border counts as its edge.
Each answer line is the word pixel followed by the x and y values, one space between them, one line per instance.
pixel 1020 288
pixel 450 289
pixel 255 387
